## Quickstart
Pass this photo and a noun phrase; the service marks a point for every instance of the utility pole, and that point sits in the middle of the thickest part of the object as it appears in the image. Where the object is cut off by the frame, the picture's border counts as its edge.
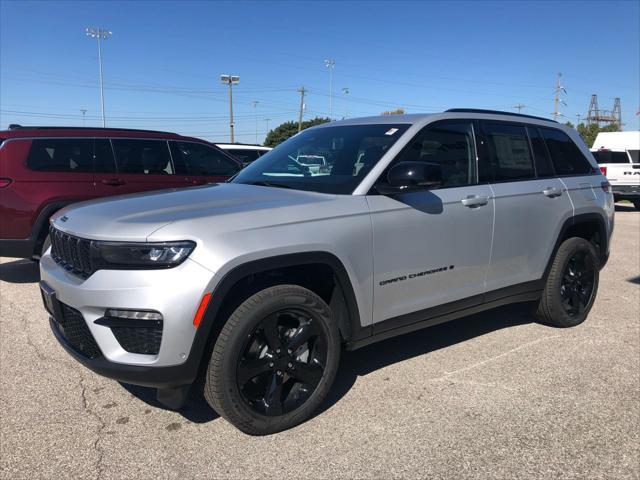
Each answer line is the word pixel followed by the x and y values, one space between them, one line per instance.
pixel 255 110
pixel 302 92
pixel 345 90
pixel 83 111
pixel 556 98
pixel 99 34
pixel 519 107
pixel 230 80
pixel 267 120
pixel 329 63
pixel 578 115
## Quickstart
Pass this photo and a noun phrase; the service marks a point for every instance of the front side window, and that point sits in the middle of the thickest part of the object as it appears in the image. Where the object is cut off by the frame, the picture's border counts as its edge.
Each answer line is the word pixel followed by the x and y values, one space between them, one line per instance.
pixel 145 157
pixel 509 152
pixel 61 155
pixel 565 155
pixel 324 159
pixel 448 147
pixel 198 159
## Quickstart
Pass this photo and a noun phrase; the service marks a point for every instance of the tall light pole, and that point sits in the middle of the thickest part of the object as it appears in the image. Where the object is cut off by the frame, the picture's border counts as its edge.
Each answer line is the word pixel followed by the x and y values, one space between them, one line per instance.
pixel 267 120
pixel 329 63
pixel 345 90
pixel 99 34
pixel 84 112
pixel 255 111
pixel 230 80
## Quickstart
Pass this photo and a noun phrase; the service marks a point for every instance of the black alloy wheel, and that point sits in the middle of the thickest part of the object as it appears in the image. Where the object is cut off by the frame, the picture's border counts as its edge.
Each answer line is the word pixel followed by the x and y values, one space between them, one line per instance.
pixel 282 362
pixel 577 284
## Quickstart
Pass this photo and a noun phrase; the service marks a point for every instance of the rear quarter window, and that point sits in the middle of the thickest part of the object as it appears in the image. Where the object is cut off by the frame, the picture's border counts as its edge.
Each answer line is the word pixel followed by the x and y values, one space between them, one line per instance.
pixel 61 155
pixel 567 158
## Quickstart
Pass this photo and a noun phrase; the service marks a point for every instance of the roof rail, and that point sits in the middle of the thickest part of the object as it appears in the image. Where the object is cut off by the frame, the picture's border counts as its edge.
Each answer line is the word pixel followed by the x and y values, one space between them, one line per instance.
pixel 497 112
pixel 15 126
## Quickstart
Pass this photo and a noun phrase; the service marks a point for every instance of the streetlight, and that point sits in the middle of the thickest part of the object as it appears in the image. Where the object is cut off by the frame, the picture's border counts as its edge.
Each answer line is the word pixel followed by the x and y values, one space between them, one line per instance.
pixel 255 111
pixel 329 63
pixel 267 120
pixel 99 34
pixel 345 90
pixel 230 80
pixel 84 112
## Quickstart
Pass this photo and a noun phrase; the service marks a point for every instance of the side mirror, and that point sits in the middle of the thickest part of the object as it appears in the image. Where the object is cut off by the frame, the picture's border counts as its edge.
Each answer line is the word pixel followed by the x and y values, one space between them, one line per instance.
pixel 411 176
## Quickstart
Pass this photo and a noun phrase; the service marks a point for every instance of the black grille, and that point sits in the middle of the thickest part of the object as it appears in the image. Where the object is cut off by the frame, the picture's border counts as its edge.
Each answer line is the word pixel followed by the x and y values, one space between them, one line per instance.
pixel 72 253
pixel 74 329
pixel 144 340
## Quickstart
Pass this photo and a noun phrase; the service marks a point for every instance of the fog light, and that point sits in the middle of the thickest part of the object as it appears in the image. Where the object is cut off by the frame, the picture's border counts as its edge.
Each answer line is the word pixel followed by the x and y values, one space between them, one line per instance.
pixel 133 314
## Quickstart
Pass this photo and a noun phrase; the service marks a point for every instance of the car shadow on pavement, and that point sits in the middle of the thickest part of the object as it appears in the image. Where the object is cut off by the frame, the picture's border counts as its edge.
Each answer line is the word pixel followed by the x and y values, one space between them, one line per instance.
pixel 625 207
pixel 196 410
pixel 20 271
pixel 398 349
pixel 371 358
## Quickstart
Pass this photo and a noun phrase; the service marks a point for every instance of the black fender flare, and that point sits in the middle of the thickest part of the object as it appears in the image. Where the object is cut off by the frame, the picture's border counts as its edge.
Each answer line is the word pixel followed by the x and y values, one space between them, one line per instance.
pixel 211 323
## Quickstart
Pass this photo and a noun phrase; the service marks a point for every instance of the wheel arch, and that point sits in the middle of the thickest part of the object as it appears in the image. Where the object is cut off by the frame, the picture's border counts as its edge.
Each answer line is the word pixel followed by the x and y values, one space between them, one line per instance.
pixel 591 227
pixel 226 296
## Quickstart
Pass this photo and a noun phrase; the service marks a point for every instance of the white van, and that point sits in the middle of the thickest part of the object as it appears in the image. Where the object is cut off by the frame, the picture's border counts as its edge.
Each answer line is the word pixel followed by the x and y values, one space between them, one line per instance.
pixel 618 154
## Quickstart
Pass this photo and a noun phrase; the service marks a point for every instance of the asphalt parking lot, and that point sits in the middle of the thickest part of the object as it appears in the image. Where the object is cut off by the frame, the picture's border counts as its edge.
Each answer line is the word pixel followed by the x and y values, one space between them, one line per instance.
pixel 492 395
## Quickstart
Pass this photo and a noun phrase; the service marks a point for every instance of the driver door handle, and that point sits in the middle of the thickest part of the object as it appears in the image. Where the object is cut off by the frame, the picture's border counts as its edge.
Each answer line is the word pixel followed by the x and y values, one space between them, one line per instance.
pixel 113 182
pixel 475 201
pixel 552 192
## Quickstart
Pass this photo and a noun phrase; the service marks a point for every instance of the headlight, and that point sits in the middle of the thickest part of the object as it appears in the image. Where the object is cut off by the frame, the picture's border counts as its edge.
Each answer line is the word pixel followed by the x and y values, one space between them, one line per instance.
pixel 140 255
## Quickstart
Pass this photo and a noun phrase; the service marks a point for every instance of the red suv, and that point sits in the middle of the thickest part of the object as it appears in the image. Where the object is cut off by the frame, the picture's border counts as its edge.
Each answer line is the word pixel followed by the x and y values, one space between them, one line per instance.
pixel 45 168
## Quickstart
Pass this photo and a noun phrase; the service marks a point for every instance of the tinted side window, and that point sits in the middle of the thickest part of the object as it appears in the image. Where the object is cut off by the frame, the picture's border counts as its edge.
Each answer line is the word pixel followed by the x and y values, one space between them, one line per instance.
pixel 635 156
pixel 61 155
pixel 565 155
pixel 198 159
pixel 149 157
pixel 607 156
pixel 449 148
pixel 245 156
pixel 544 168
pixel 509 152
pixel 103 161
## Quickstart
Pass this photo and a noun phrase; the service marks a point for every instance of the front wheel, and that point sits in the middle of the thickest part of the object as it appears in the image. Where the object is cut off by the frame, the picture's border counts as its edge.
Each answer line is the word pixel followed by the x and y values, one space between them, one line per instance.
pixel 274 360
pixel 571 286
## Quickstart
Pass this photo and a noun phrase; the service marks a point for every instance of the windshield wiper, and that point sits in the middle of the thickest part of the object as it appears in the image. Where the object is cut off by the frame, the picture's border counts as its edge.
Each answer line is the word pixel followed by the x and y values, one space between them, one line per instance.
pixel 262 183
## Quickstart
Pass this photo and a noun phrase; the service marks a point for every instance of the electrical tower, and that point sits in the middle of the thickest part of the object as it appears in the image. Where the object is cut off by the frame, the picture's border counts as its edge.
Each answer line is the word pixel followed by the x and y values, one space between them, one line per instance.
pixel 595 116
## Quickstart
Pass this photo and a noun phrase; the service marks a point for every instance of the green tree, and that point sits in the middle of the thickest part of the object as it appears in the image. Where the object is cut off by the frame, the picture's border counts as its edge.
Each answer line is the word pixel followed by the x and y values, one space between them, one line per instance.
pixel 590 132
pixel 289 129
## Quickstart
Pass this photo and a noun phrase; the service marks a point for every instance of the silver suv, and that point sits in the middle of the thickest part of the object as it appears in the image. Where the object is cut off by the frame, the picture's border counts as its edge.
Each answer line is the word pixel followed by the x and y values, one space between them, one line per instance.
pixel 252 288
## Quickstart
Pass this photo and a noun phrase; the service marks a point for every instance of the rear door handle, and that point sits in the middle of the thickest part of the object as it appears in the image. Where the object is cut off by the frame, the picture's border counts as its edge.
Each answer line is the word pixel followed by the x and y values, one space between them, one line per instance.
pixel 552 192
pixel 113 182
pixel 475 201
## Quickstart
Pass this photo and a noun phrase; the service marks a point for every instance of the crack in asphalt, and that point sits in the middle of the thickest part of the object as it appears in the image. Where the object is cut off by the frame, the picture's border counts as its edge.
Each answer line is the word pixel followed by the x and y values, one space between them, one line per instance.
pixel 102 425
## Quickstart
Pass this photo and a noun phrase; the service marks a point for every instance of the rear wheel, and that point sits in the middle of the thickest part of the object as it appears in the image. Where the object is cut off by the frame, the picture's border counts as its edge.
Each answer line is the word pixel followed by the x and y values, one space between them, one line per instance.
pixel 274 361
pixel 636 203
pixel 571 286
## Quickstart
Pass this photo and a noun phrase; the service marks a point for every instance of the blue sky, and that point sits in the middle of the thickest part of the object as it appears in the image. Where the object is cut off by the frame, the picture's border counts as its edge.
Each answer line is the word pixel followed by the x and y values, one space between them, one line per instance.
pixel 162 65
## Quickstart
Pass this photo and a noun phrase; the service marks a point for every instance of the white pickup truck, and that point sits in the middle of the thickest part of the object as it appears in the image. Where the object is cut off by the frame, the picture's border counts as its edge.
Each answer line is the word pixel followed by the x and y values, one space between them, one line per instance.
pixel 618 154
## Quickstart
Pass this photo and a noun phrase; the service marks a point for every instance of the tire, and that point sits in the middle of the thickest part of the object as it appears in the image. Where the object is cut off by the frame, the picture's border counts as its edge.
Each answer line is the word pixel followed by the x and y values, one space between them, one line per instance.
pixel 245 344
pixel 636 203
pixel 45 245
pixel 571 286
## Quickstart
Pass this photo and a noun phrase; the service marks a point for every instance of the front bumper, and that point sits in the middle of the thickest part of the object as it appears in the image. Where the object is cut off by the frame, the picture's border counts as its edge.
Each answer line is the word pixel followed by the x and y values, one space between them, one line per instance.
pixel 175 293
pixel 626 192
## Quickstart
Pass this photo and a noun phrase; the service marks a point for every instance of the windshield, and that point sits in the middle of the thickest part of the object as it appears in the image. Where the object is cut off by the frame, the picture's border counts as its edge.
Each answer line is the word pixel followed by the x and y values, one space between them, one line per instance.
pixel 326 159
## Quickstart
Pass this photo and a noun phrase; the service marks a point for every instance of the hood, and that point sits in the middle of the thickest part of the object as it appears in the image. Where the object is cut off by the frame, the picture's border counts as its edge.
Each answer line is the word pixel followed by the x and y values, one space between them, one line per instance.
pixel 135 217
